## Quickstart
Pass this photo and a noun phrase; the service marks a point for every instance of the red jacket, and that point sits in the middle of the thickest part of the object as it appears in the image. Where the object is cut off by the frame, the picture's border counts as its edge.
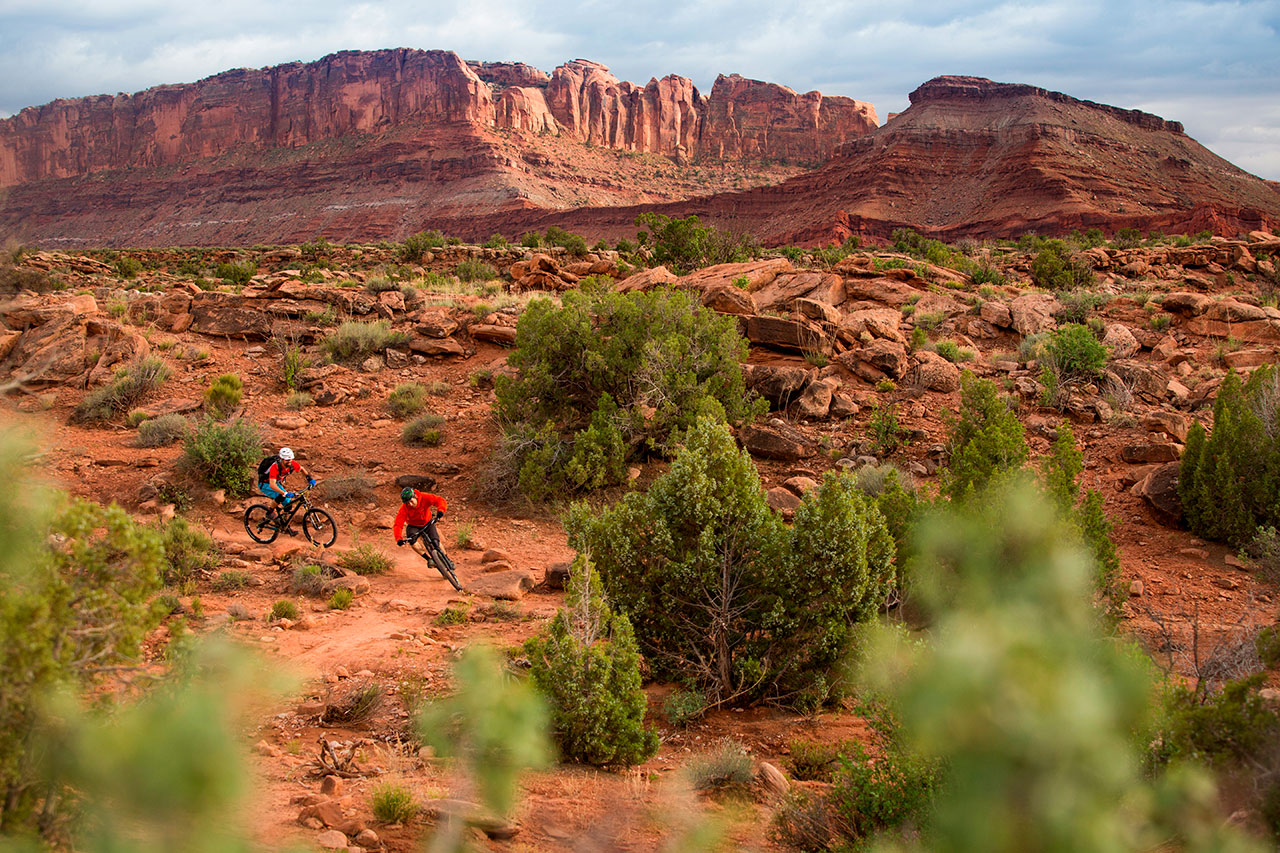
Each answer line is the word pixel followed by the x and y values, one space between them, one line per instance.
pixel 417 516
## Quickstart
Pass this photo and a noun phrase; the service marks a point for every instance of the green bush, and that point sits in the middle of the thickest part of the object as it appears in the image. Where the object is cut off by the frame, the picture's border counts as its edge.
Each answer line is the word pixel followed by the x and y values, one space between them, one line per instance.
pixel 353 341
pixel 1127 238
pixel 702 543
pixel 473 270
pixel 886 434
pixel 726 766
pixel 163 431
pixel 575 244
pixel 606 377
pixel 307 580
pixel 292 362
pixel 587 666
pixel 811 761
pixel 423 431
pixel 1229 480
pixel 407 399
pixel 496 241
pixel 1054 268
pixel 125 390
pixel 76 593
pixel 686 244
pixel 224 456
pixel 236 273
pixel 986 439
pixel 392 803
pixel 365 559
pixel 952 352
pixel 188 552
pixel 128 267
pixel 1075 351
pixel 871 795
pixel 223 395
pixel 683 707
pixel 341 599
pixel 230 580
pixel 284 609
pixel 418 245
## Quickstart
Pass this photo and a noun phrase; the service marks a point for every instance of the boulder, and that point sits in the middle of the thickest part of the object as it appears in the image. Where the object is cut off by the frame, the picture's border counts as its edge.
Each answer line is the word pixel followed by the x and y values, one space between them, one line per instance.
pixel 228 315
pixel 557 575
pixel 1149 381
pixel 1160 490
pixel 509 585
pixel 658 276
pixel 778 385
pixel 1120 341
pixel 818 311
pixel 1231 311
pixel 504 335
pixel 777 440
pixel 815 402
pixel 800 485
pixel 782 293
pixel 357 584
pixel 996 313
pixel 889 357
pixel 784 333
pixel 877 322
pixel 1032 313
pixel 935 373
pixel 728 299
pixel 50 354
pixel 880 289
pixel 435 322
pixel 758 274
pixel 440 346
pixel 1172 424
pixel 782 501
pixel 1186 304
pixel 1149 452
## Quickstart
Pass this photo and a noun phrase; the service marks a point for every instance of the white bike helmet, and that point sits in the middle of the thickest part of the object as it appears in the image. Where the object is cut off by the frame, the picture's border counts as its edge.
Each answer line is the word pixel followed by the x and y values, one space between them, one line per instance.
pixel 286 454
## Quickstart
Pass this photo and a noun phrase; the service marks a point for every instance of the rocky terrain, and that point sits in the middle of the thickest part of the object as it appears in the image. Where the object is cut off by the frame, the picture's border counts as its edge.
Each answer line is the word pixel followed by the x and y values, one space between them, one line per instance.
pixel 362 145
pixel 830 346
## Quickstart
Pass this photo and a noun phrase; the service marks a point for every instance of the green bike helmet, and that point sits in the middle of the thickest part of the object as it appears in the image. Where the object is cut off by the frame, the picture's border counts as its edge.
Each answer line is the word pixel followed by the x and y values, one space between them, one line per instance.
pixel 406 495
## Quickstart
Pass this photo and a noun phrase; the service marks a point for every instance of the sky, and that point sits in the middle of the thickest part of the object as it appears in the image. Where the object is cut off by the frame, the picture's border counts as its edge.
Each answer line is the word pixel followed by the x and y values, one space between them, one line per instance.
pixel 1214 66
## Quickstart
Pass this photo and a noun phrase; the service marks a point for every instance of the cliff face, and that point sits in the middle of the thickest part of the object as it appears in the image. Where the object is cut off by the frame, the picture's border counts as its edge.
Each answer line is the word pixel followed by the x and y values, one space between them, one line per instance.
pixel 289 106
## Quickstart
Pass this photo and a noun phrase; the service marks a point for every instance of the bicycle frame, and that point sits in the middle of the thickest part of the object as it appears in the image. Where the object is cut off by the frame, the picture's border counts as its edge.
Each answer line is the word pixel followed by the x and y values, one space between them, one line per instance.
pixel 286 512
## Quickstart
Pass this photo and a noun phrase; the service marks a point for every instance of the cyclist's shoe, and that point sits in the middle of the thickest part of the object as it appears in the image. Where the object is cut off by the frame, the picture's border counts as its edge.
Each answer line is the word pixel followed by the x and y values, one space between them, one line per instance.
pixel 289 531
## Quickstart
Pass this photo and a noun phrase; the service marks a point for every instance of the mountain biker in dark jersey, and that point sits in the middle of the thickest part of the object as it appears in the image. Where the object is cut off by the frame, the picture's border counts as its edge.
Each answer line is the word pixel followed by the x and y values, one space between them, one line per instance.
pixel 415 516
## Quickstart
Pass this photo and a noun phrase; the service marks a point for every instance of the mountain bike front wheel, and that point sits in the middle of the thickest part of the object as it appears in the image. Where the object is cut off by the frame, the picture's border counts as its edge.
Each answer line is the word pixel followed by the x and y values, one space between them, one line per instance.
pixel 443 564
pixel 319 528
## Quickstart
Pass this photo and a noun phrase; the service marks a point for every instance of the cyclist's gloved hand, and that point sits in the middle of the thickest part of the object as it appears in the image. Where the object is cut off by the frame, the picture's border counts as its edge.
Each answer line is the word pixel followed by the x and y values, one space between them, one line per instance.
pixel 288 496
pixel 401 542
pixel 311 483
pixel 439 515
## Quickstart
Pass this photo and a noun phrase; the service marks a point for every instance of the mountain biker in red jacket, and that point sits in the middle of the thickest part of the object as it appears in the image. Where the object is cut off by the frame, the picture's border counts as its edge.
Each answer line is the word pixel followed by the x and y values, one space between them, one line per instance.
pixel 415 516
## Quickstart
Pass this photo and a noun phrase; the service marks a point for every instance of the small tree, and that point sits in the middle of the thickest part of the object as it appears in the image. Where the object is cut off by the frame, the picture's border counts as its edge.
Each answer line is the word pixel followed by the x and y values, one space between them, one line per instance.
pixel 720 592
pixel 588 667
pixel 985 440
pixel 225 456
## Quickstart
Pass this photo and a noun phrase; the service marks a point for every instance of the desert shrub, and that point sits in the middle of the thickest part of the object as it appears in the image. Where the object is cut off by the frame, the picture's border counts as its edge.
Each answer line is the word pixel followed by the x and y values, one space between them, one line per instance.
pixel 458 614
pixel 1077 305
pixel 128 267
pixel 14 279
pixel 952 352
pixel 125 390
pixel 162 431
pixel 531 240
pixel 354 340
pixel 1076 351
pixel 236 273
pixel 1127 238
pixel 686 244
pixel 223 395
pixel 985 274
pixel 379 284
pixel 587 666
pixel 727 766
pixel 292 362
pixel 684 706
pixel 417 245
pixel 357 703
pixel 438 388
pixel 348 487
pixel 495 241
pixel 392 803
pixel 188 551
pixel 1216 727
pixel 75 603
pixel 886 434
pixel 1054 268
pixel 408 399
pixel 1229 480
pixel 986 438
pixel 871 795
pixel 224 456
pixel 1004 585
pixel 702 542
pixel 575 244
pixel 307 580
pixel 473 270
pixel 463 535
pixel 230 580
pixel 829 256
pixel 607 377
pixel 811 761
pixel 341 599
pixel 298 400
pixel 365 559
pixel 423 430
pixel 1264 550
pixel 284 609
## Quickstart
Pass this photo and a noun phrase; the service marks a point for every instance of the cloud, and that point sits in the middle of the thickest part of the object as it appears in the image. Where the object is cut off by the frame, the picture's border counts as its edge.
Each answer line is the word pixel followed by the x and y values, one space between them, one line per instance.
pixel 1207 63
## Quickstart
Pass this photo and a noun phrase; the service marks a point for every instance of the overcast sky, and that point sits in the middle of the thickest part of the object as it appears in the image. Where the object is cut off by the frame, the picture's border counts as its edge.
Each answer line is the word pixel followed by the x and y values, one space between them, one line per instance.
pixel 1214 66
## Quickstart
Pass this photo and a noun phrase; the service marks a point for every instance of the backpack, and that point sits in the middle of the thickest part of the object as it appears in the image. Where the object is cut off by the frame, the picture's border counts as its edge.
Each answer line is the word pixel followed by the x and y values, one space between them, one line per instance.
pixel 264 468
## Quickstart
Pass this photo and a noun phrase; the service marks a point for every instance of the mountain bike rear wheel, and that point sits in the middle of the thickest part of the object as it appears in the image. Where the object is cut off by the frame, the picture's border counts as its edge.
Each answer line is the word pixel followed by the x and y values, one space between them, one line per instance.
pixel 261 524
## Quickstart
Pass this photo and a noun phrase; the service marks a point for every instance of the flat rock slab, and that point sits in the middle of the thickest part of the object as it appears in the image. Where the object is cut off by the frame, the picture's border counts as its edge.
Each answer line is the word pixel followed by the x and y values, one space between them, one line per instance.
pixel 509 585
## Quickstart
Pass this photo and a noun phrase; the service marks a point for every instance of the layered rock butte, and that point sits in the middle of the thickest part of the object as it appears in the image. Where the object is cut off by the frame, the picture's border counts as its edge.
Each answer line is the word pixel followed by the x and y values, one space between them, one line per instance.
pixel 375 144
pixel 975 158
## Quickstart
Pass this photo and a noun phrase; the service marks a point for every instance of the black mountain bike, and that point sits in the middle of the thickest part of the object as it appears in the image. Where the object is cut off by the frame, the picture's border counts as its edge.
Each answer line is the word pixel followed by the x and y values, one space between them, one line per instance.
pixel 263 522
pixel 435 554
